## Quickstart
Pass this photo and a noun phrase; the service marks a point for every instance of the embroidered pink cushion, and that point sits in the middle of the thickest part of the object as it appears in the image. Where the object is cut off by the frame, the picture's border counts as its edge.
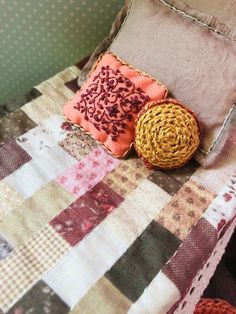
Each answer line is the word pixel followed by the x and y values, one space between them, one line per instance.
pixel 108 103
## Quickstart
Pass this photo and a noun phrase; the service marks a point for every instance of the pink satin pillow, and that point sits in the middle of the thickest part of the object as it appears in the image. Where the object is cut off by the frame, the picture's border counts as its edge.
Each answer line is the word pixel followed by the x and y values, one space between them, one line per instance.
pixel 108 103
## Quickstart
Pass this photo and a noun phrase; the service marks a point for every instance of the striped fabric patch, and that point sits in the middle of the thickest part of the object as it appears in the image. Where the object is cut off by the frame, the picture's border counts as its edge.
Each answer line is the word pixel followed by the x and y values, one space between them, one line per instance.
pixel 41 109
pixel 53 93
pixel 52 99
pixel 134 271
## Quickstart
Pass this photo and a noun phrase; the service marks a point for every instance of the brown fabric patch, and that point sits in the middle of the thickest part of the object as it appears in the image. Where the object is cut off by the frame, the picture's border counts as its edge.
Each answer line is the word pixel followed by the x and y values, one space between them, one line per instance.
pixel 126 176
pixel 183 174
pixel 12 156
pixel 72 85
pixel 14 125
pixel 165 182
pixel 191 255
pixel 40 299
pixel 134 271
pixel 185 209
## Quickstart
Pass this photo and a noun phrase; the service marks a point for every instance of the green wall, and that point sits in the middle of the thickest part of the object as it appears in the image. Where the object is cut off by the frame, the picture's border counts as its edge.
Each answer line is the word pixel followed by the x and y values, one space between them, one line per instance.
pixel 38 38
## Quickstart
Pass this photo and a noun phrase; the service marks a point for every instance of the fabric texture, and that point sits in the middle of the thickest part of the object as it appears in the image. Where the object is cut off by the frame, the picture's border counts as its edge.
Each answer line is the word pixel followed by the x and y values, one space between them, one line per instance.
pixel 223 10
pixel 82 231
pixel 107 105
pixel 185 208
pixel 190 72
pixel 191 255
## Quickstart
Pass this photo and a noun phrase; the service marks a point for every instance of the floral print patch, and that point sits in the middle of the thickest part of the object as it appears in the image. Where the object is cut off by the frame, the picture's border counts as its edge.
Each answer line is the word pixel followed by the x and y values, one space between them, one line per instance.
pixel 85 213
pixel 88 172
pixel 78 144
pixel 185 209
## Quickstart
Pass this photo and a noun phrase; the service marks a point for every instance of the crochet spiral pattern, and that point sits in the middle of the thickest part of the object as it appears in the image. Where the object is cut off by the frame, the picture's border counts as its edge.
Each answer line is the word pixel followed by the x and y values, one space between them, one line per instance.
pixel 214 306
pixel 167 134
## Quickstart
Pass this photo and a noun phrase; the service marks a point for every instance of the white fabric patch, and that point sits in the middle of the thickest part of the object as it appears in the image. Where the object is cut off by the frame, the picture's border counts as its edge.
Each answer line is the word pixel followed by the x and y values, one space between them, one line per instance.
pixel 85 264
pixel 157 298
pixel 39 171
pixel 35 141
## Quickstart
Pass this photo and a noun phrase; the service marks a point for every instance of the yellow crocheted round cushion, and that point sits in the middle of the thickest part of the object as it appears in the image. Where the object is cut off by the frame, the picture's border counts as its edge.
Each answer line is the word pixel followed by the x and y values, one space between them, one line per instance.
pixel 166 134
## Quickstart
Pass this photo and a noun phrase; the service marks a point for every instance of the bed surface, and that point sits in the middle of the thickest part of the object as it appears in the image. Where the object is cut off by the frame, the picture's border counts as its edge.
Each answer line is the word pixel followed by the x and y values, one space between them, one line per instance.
pixel 83 232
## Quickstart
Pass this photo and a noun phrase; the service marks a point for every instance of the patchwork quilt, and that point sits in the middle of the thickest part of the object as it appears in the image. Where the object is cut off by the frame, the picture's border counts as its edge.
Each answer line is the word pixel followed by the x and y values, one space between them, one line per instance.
pixel 84 232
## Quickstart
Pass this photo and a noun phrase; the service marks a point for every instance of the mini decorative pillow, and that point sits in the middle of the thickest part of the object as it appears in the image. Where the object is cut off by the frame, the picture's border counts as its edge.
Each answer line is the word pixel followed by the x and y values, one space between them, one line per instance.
pixel 108 103
pixel 167 134
pixel 192 54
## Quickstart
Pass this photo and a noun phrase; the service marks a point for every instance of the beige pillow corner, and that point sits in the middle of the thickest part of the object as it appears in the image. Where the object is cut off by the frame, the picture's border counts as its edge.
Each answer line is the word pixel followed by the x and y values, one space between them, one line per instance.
pixel 194 54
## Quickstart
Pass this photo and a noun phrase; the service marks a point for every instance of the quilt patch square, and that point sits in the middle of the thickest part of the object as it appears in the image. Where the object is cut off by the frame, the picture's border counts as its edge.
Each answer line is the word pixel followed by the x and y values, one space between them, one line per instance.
pixel 12 157
pixel 85 213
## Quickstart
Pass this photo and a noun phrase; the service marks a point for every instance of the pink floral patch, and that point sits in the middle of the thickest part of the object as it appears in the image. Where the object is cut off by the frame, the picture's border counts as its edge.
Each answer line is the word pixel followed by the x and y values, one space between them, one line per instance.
pixel 87 173
pixel 85 213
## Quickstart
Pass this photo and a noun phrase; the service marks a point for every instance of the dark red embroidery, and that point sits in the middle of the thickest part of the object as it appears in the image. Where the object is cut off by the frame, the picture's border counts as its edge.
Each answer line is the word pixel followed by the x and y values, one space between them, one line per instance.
pixel 110 101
